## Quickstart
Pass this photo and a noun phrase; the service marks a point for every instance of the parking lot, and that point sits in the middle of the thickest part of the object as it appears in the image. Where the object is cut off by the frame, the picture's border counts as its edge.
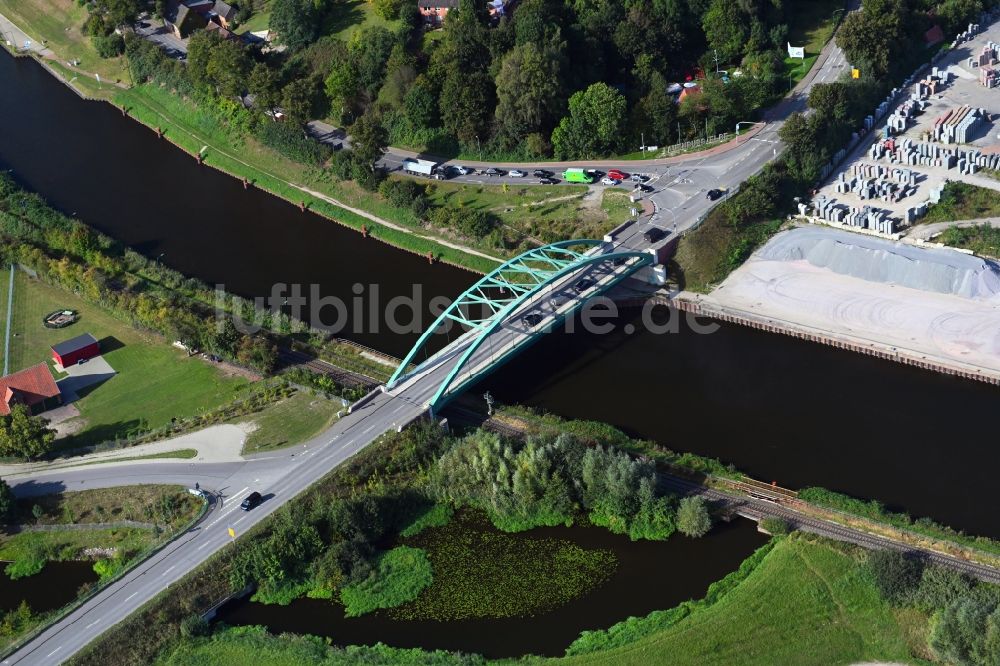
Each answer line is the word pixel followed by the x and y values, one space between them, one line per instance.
pixel 154 30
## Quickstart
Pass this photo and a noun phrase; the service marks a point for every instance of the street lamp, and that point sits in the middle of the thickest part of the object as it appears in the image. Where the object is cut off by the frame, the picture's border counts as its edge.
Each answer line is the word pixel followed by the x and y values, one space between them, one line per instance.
pixel 480 147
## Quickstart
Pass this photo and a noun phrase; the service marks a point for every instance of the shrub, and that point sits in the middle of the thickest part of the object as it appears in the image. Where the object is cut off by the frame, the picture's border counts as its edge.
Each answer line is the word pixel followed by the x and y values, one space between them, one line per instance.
pixel 109 46
pixel 775 526
pixel 693 519
pixel 895 574
pixel 291 141
pixel 401 574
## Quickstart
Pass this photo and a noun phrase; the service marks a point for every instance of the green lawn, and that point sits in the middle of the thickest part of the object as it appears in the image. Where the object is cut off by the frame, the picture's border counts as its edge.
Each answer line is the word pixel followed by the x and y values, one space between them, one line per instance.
pixel 806 603
pixel 155 382
pixel 58 24
pixel 291 421
pixel 104 505
pixel 961 201
pixel 258 22
pixel 347 17
pixel 4 286
pixel 981 239
pixel 811 25
pixel 546 214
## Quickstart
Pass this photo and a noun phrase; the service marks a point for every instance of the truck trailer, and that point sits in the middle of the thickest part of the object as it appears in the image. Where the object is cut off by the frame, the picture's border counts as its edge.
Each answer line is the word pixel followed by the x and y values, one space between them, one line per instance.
pixel 420 167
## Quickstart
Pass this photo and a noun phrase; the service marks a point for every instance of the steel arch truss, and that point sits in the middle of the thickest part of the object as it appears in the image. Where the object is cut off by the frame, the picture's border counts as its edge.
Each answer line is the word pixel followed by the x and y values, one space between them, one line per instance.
pixel 503 290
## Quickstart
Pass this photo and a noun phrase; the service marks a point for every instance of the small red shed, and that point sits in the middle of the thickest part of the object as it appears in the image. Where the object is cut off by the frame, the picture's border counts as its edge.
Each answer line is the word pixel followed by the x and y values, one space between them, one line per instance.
pixel 77 349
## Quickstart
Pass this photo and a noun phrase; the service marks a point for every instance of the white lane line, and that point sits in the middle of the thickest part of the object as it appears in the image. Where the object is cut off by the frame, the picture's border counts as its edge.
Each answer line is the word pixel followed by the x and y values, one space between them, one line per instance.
pixel 169 570
pixel 203 545
pixel 130 596
pixel 54 651
pixel 368 429
pixel 93 623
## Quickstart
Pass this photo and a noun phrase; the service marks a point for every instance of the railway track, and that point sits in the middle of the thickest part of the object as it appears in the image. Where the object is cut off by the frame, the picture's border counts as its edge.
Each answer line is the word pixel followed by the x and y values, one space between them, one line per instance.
pixel 289 359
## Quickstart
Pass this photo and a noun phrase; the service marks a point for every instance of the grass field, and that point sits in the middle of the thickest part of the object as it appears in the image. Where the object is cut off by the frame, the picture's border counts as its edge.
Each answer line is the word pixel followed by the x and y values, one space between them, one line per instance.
pixel 348 17
pixel 961 201
pixel 105 505
pixel 545 214
pixel 806 603
pixel 4 287
pixel 981 239
pixel 58 24
pixel 811 25
pixel 155 382
pixel 291 421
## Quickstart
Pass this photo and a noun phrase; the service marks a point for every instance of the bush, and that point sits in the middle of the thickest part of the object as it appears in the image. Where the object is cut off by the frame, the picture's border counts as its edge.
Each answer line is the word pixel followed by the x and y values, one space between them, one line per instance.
pixel 775 526
pixel 693 519
pixel 401 574
pixel 895 574
pixel 291 141
pixel 194 625
pixel 940 587
pixel 109 46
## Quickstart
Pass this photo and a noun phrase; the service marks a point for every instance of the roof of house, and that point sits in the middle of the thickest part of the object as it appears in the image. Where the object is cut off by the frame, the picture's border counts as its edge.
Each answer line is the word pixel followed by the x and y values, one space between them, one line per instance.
pixel 179 12
pixel 224 10
pixel 29 387
pixel 225 34
pixel 934 35
pixel 435 4
pixel 74 344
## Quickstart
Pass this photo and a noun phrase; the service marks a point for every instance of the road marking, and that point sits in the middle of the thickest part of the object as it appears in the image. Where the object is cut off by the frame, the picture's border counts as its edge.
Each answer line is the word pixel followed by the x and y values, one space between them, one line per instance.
pixel 54 651
pixel 203 545
pixel 167 571
pixel 130 596
pixel 367 430
pixel 89 625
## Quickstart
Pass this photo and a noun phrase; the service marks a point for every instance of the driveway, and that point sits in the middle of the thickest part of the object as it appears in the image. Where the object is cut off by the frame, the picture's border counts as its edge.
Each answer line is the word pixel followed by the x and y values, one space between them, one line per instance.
pixel 154 30
pixel 79 377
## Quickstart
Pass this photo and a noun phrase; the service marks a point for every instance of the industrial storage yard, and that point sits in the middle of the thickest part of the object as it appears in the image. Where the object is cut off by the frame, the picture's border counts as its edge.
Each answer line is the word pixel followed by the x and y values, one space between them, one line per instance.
pixel 938 303
pixel 943 126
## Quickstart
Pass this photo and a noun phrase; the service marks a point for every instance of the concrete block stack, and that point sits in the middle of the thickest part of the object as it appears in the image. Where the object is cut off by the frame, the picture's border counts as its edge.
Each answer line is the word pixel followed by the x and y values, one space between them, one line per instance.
pixel 905 151
pixel 957 125
pixel 863 218
pixel 915 213
pixel 988 77
pixel 988 55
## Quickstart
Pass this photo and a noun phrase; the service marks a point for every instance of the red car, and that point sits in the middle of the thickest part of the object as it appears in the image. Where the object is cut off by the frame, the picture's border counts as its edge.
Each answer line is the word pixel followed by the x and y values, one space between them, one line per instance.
pixel 617 175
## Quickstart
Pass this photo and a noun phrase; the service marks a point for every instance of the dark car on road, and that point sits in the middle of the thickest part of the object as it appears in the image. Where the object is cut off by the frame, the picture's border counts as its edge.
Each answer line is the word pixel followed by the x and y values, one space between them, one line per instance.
pixel 654 234
pixel 493 171
pixel 541 173
pixel 252 500
pixel 714 194
pixel 583 285
pixel 642 187
pixel 532 318
pixel 547 181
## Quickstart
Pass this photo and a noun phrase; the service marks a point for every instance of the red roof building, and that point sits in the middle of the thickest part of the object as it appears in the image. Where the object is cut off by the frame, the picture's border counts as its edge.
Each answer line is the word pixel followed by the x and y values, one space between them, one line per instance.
pixel 75 350
pixel 33 388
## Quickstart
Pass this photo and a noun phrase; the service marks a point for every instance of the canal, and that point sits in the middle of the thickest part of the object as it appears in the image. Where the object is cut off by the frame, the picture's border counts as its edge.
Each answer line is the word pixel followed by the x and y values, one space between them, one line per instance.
pixel 781 409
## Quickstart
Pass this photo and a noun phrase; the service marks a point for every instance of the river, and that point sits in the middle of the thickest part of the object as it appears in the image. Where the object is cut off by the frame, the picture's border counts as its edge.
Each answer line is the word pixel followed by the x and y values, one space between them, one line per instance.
pixel 781 409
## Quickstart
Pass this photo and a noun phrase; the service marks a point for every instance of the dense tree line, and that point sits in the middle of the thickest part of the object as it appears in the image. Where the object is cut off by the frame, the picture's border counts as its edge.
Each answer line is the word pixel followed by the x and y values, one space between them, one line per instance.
pixel 73 256
pixel 550 481
pixel 24 436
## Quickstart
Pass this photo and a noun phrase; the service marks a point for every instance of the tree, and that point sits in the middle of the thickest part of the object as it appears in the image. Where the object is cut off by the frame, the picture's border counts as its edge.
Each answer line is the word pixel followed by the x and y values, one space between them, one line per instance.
pixel 369 139
pixel 775 526
pixel 23 435
pixel 263 85
pixel 594 125
pixel 388 9
pixel 693 518
pixel 7 502
pixel 966 631
pixel 295 22
pixel 298 99
pixel 466 101
pixel 529 93
pixel 725 28
pixel 228 67
pixel 895 574
pixel 420 104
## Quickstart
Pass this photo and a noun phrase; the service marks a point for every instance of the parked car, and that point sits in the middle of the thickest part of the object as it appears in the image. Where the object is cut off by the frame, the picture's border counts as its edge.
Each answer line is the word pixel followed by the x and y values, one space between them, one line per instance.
pixel 714 194
pixel 531 319
pixel 654 234
pixel 517 173
pixel 492 171
pixel 617 174
pixel 583 285
pixel 548 181
pixel 608 180
pixel 638 178
pixel 642 187
pixel 252 500
pixel 541 173
pixel 462 171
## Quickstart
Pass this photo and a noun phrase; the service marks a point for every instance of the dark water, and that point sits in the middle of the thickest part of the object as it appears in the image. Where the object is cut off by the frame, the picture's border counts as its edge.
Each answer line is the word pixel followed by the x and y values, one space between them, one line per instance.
pixel 650 576
pixel 782 410
pixel 113 173
pixel 53 588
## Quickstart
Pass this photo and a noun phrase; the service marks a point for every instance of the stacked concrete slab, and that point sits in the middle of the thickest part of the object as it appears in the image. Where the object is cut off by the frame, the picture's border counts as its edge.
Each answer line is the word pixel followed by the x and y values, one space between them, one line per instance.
pixel 905 151
pixel 865 217
pixel 957 125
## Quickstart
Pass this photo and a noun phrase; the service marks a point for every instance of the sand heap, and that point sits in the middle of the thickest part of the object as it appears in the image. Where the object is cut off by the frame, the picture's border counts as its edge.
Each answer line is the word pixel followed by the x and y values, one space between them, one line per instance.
pixel 888 262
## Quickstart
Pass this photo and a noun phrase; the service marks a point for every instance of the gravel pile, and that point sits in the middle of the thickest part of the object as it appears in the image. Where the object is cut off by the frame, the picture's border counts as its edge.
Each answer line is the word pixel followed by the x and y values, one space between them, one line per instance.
pixel 888 262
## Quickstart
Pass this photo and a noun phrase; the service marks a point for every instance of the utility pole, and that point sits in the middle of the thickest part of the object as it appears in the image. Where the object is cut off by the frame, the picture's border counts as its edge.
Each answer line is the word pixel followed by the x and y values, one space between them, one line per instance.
pixel 480 147
pixel 716 52
pixel 706 128
pixel 643 146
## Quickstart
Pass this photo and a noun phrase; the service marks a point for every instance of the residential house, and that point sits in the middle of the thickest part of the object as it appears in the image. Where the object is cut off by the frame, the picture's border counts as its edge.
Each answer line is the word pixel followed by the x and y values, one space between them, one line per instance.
pixel 434 11
pixel 223 14
pixel 33 388
pixel 185 16
pixel 222 32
